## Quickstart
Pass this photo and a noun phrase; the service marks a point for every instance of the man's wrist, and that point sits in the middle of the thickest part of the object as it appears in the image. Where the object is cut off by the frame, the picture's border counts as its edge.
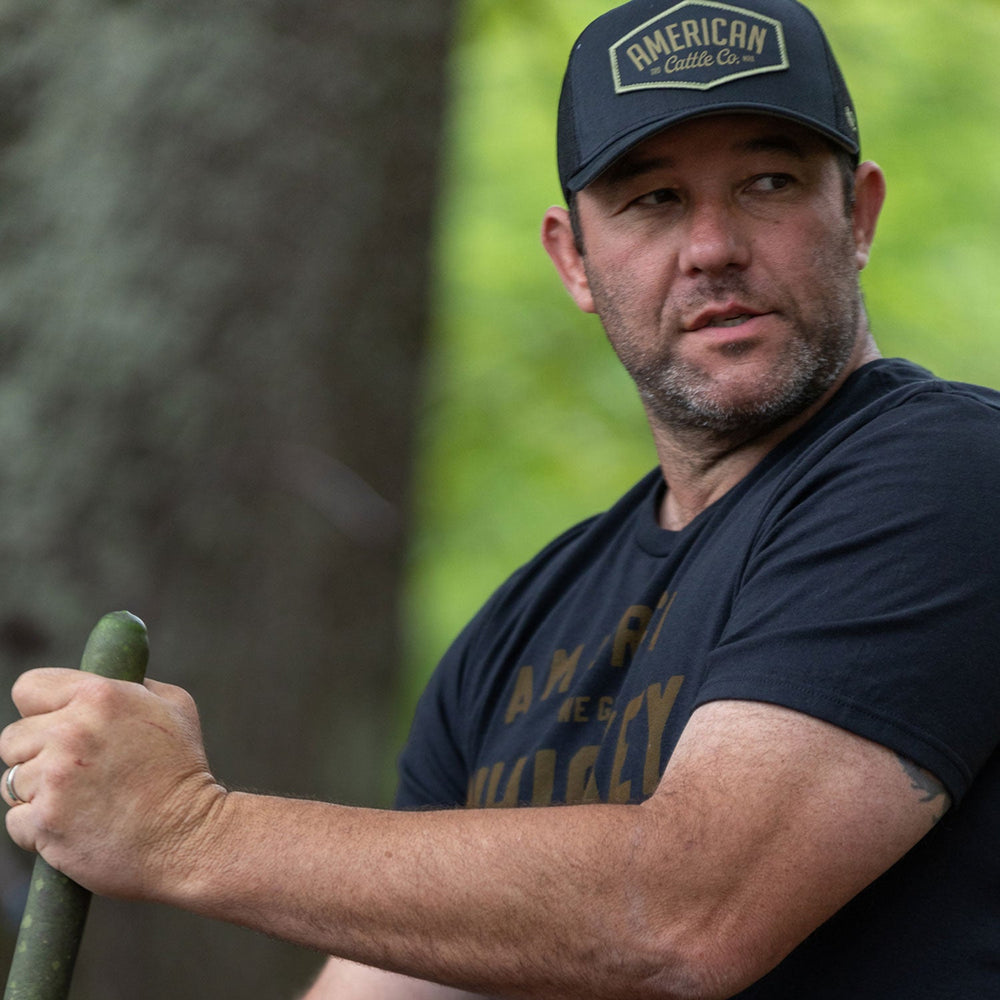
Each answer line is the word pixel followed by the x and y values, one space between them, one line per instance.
pixel 201 851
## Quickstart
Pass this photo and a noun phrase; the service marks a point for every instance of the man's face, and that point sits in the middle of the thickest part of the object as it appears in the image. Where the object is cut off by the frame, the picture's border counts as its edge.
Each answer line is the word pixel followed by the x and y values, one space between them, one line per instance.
pixel 722 260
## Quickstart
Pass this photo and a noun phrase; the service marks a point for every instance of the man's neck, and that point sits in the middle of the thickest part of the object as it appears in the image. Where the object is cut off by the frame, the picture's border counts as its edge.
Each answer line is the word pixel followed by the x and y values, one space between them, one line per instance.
pixel 701 466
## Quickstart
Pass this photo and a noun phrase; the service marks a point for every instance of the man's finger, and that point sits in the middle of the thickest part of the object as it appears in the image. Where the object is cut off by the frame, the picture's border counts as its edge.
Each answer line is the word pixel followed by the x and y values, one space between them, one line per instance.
pixel 13 786
pixel 20 828
pixel 20 742
pixel 65 710
pixel 45 689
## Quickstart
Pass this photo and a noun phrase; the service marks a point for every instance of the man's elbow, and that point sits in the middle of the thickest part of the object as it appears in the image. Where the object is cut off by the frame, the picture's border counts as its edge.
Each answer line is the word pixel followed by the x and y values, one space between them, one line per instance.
pixel 675 964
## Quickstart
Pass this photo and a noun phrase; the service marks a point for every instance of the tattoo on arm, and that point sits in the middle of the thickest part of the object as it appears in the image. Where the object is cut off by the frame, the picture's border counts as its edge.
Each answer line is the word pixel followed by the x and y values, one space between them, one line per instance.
pixel 926 784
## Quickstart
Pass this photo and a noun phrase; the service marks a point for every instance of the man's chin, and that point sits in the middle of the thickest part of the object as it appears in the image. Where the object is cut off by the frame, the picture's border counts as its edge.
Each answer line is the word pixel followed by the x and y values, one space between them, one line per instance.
pixel 743 408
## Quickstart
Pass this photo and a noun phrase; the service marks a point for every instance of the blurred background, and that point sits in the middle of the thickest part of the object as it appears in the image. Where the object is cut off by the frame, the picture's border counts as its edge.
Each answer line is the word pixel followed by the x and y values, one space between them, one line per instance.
pixel 285 371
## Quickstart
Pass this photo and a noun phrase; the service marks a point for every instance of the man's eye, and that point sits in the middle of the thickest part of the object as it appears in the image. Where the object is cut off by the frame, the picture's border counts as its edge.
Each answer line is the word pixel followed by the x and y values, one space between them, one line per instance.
pixel 661 196
pixel 771 182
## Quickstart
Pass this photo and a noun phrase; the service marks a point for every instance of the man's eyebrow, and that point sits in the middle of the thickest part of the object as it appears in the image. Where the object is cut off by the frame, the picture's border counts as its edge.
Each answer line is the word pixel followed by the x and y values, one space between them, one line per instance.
pixel 773 143
pixel 632 166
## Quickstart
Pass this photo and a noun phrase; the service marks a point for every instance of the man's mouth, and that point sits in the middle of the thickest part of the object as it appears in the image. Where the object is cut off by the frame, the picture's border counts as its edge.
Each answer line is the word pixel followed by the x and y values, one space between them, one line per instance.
pixel 726 322
pixel 721 318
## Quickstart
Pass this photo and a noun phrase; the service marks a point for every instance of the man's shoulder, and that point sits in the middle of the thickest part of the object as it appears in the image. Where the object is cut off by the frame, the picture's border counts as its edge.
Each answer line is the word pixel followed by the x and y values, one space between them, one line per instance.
pixel 889 383
pixel 893 404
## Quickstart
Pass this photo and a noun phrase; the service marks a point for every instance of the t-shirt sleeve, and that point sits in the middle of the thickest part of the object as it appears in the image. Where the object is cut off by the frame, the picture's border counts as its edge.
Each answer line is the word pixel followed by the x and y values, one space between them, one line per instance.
pixel 871 597
pixel 433 769
pixel 437 762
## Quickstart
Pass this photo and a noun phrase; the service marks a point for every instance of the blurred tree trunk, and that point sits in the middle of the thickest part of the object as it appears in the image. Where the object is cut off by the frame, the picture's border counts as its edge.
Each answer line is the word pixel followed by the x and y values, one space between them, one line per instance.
pixel 215 221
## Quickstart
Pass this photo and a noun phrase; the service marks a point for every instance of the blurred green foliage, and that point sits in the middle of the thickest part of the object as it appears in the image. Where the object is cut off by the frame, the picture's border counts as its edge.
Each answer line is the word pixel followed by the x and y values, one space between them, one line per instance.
pixel 530 424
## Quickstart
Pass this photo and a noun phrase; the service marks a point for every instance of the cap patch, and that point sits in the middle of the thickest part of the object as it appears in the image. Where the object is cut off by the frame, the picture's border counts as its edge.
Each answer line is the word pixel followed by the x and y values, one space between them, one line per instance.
pixel 697 45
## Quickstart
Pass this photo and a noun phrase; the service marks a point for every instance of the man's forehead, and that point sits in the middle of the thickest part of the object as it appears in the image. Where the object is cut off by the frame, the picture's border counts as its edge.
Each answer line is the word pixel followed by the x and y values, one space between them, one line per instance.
pixel 714 136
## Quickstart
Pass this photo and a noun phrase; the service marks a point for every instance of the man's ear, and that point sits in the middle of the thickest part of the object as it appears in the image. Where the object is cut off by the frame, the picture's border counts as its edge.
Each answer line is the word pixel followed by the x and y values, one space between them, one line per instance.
pixel 869 196
pixel 560 244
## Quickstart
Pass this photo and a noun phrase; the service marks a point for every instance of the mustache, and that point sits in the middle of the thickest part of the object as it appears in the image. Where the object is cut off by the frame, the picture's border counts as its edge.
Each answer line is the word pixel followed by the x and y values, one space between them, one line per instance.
pixel 717 288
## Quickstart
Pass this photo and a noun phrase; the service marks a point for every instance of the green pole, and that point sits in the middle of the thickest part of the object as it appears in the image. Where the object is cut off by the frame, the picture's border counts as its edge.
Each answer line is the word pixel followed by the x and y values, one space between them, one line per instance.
pixel 56 909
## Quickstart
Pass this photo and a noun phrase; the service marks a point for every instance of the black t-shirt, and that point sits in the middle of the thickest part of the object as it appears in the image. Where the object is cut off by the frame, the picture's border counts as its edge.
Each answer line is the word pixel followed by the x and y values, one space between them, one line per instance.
pixel 852 576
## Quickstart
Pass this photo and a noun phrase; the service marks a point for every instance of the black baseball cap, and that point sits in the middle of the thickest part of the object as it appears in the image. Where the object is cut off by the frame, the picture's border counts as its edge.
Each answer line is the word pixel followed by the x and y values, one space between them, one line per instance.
pixel 650 64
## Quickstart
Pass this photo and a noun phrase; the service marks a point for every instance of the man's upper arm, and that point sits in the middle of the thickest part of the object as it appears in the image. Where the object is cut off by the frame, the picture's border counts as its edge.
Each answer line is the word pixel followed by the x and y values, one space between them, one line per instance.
pixel 765 823
pixel 784 818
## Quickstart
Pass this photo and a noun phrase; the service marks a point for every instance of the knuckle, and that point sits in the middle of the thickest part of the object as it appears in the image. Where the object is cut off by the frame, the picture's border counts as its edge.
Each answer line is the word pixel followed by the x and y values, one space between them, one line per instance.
pixel 59 776
pixel 46 816
pixel 96 691
pixel 74 743
pixel 186 700
pixel 97 702
pixel 22 684
pixel 20 691
pixel 180 699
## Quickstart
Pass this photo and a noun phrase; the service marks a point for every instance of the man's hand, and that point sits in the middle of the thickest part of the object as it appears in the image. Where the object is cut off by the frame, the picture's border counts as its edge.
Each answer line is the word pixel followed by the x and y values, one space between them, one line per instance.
pixel 114 789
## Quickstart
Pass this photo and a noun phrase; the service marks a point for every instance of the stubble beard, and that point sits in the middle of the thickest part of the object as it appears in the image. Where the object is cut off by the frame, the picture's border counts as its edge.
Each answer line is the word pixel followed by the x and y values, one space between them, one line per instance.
pixel 682 396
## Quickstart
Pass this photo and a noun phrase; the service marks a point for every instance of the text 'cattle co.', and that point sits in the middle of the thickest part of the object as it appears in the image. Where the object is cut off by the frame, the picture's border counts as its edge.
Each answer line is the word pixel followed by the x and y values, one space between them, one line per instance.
pixel 698 45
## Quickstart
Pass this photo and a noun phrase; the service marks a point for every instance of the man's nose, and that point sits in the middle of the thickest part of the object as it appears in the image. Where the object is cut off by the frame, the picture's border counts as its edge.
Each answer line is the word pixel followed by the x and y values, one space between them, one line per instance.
pixel 715 240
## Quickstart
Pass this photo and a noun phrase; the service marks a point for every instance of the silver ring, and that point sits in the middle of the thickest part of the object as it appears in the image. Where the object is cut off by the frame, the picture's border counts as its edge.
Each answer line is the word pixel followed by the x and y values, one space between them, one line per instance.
pixel 14 797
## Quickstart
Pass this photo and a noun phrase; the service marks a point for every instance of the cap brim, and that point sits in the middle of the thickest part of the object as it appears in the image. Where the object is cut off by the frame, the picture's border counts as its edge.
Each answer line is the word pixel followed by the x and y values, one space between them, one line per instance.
pixel 596 166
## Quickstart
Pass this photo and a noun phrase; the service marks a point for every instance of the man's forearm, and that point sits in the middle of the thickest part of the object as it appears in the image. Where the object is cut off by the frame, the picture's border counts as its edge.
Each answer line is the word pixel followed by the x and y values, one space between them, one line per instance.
pixel 526 902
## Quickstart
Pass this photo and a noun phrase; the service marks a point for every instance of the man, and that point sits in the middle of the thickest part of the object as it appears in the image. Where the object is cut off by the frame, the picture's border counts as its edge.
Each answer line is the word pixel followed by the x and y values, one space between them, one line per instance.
pixel 761 689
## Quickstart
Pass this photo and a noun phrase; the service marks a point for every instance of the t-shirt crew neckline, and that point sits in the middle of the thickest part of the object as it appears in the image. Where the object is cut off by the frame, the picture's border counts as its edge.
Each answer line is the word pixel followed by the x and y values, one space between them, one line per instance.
pixel 659 541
